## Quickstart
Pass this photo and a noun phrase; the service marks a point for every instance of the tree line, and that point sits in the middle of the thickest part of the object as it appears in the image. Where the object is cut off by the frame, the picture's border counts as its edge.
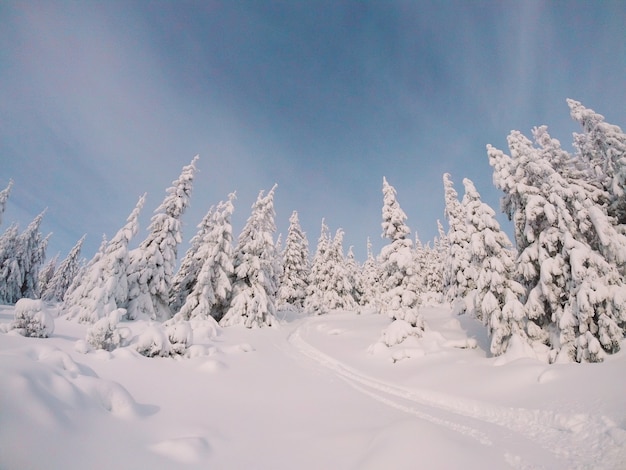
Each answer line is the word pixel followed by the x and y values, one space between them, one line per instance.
pixel 558 289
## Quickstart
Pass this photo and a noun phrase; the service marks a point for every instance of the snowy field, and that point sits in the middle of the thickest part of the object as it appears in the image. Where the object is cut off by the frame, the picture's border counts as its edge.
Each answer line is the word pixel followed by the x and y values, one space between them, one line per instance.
pixel 312 393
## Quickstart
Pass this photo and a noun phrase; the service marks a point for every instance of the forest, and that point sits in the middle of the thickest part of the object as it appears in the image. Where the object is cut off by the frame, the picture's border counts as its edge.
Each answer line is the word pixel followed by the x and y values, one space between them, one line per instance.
pixel 558 289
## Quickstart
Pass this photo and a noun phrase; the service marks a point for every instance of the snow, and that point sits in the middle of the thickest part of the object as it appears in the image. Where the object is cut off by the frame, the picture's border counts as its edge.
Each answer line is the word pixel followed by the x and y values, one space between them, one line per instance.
pixel 308 394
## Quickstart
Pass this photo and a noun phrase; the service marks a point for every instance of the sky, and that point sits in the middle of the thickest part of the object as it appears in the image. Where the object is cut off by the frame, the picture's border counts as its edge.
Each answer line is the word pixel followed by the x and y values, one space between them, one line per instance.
pixel 103 101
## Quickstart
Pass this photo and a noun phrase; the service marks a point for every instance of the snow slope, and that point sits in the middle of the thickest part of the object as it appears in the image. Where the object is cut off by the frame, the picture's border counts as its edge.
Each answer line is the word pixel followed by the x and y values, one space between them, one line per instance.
pixel 312 393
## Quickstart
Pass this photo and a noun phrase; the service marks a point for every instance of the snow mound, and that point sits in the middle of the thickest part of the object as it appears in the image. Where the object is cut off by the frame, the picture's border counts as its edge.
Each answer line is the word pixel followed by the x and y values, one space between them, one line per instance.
pixel 186 450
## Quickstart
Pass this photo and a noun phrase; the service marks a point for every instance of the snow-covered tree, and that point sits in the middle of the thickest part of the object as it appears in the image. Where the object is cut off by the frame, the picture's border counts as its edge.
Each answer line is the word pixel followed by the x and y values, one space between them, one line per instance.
pixel 296 267
pixel 498 296
pixel 64 275
pixel 570 255
pixel 355 276
pixel 318 283
pixel 340 292
pixel 103 287
pixel 187 274
pixel 254 288
pixel 370 273
pixel 4 196
pixel 32 319
pixel 458 278
pixel 24 255
pixel 210 294
pixel 107 334
pixel 400 297
pixel 45 275
pixel 152 264
pixel 602 149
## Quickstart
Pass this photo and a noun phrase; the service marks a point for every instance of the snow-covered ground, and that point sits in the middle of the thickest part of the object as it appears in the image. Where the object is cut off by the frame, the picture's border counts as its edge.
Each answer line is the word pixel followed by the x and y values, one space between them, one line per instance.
pixel 311 393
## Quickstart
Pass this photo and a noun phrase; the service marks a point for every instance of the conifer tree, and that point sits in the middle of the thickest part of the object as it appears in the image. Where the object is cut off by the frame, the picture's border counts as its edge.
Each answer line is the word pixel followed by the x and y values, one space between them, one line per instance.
pixel 4 196
pixel 370 276
pixel 340 292
pixel 320 275
pixel 103 287
pixel 152 263
pixel 64 275
pixel 211 292
pixel 187 275
pixel 400 297
pixel 24 256
pixel 255 282
pixel 45 275
pixel 458 279
pixel 296 267
pixel 602 149
pixel 9 268
pixel 569 255
pixel 498 296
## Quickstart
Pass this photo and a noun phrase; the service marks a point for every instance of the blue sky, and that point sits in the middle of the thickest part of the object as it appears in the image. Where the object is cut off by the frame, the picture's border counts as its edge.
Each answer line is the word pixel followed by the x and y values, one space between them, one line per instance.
pixel 103 101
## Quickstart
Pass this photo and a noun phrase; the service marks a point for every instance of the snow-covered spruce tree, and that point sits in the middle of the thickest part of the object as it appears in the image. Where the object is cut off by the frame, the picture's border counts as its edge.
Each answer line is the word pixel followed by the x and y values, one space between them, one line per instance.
pixel 152 264
pixel 20 270
pixel 458 278
pixel 355 276
pixel 45 275
pixel 103 287
pixel 9 269
pixel 187 274
pixel 498 296
pixel 296 267
pixel 400 296
pixel 211 292
pixel 255 283
pixel 569 255
pixel 4 196
pixel 64 275
pixel 340 292
pixel 370 277
pixel 602 149
pixel 320 274
pixel 84 267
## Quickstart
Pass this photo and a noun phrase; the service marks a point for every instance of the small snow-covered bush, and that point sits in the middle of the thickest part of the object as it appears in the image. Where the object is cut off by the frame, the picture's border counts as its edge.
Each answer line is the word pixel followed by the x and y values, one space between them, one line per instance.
pixel 32 319
pixel 398 331
pixel 180 336
pixel 106 334
pixel 153 342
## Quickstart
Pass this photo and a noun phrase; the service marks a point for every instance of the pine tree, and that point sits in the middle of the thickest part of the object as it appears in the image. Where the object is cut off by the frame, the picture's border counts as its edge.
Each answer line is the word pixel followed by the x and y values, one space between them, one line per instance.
pixel 211 293
pixel 4 196
pixel 185 279
pixel 340 292
pixel 400 297
pixel 569 255
pixel 20 269
pixel 9 268
pixel 103 286
pixel 458 279
pixel 355 277
pixel 498 297
pixel 370 276
pixel 254 288
pixel 320 275
pixel 152 263
pixel 64 275
pixel 45 275
pixel 602 149
pixel 296 267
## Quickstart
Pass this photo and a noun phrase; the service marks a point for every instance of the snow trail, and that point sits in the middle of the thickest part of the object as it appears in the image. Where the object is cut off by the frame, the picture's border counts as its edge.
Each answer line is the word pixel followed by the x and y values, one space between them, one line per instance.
pixel 564 441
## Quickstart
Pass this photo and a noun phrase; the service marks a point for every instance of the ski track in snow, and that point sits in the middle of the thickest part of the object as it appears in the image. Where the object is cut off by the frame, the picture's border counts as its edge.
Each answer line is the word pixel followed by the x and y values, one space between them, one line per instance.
pixel 558 440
